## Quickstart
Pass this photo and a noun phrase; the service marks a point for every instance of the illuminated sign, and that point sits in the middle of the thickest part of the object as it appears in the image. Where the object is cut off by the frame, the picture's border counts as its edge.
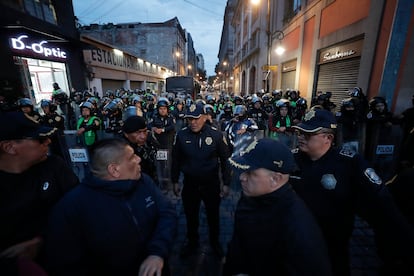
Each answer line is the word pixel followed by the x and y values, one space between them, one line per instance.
pixel 40 48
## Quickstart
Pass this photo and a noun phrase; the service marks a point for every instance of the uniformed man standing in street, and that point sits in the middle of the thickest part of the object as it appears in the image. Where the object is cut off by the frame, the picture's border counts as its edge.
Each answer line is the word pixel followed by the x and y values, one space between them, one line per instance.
pixel 339 184
pixel 200 152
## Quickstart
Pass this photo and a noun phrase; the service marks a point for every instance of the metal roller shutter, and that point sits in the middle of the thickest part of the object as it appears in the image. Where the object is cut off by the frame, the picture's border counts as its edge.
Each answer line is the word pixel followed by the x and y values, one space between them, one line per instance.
pixel 337 77
pixel 288 80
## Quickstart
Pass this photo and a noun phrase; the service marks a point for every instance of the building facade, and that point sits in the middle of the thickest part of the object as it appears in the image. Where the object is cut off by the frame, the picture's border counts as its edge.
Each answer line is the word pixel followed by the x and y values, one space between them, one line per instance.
pixel 39 46
pixel 224 68
pixel 330 45
pixel 109 68
pixel 159 43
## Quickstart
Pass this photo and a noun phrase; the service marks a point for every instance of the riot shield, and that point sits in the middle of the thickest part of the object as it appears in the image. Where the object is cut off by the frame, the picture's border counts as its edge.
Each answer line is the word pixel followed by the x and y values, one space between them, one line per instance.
pixel 163 166
pixel 76 153
pixel 383 146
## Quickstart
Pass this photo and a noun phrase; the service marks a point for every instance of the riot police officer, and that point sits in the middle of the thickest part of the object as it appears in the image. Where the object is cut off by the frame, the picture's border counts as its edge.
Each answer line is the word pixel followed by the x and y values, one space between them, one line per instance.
pixel 258 114
pixel 26 106
pixel 51 118
pixel 199 152
pixel 88 125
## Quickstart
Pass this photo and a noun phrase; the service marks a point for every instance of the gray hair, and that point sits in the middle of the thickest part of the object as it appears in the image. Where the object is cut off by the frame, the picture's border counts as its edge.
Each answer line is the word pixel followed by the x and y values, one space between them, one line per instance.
pixel 104 153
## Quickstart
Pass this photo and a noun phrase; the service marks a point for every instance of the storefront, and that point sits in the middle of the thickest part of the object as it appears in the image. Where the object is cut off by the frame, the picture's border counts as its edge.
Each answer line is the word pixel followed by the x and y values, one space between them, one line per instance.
pixel 111 69
pixel 41 60
pixel 338 70
pixel 288 75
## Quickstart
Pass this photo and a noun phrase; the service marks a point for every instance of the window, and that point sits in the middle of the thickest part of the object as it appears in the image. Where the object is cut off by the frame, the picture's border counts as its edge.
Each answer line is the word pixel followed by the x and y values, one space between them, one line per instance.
pixel 42 9
pixel 292 7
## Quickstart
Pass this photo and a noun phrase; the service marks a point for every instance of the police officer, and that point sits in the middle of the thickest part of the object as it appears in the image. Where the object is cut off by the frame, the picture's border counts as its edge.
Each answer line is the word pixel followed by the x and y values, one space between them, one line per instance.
pixel 274 231
pixel 338 184
pixel 26 106
pixel 51 118
pixel 135 130
pixel 88 125
pixel 198 152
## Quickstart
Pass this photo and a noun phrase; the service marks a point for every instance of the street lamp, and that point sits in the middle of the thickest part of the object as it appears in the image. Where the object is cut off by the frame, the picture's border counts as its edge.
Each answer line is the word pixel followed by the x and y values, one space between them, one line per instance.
pixel 279 35
pixel 177 56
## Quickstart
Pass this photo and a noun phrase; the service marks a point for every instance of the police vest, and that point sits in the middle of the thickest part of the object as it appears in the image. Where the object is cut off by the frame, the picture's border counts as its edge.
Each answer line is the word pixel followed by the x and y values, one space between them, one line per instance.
pixel 89 135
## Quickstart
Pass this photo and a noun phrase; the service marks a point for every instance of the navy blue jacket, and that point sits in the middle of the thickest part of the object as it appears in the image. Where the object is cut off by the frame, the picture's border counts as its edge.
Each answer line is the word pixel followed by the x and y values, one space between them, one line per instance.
pixel 109 228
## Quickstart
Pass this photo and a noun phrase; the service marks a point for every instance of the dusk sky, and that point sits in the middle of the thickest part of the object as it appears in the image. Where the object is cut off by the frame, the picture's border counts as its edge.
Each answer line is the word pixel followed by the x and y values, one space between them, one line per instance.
pixel 202 19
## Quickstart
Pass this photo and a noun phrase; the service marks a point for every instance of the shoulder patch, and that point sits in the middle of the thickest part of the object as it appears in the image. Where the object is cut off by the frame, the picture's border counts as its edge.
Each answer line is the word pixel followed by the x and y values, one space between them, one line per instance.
pixel 347 152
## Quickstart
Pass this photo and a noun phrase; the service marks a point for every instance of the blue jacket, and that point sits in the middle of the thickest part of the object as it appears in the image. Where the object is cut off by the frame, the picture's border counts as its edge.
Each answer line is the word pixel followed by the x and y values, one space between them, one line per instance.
pixel 109 227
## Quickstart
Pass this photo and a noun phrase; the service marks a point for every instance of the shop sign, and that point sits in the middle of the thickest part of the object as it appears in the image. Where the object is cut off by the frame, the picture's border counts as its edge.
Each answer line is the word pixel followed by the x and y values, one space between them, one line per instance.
pixel 341 52
pixel 38 48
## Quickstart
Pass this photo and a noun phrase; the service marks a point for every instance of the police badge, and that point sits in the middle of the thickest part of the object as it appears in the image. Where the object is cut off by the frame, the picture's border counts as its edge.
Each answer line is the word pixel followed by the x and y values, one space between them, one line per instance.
pixel 309 115
pixel 372 176
pixel 328 181
pixel 208 141
pixel 192 107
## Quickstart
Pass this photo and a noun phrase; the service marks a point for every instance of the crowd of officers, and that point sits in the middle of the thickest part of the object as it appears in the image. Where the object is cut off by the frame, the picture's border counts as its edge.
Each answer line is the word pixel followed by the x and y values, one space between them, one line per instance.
pixel 175 146
pixel 362 124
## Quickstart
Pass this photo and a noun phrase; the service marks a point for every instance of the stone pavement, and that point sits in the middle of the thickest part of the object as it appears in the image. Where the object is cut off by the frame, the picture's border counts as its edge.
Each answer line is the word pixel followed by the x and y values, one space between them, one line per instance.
pixel 364 260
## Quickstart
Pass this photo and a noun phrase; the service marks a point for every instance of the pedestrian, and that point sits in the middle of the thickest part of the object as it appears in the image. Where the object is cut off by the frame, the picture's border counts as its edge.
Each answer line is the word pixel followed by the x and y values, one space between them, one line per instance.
pixel 116 222
pixel 32 181
pixel 338 184
pixel 200 153
pixel 274 231
pixel 135 131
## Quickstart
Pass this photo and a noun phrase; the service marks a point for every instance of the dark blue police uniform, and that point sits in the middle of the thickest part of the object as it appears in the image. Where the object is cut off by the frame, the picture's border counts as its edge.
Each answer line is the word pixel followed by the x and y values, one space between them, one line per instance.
pixel 200 156
pixel 341 184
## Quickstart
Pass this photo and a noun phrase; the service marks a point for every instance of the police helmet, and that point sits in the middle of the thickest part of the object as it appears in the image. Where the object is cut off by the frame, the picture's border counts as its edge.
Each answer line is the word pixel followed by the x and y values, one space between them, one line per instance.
pixel 163 102
pixel 301 102
pixel 23 102
pixel 277 94
pixel 129 112
pixel 44 103
pixel 209 109
pixel 256 99
pixel 348 103
pixel 282 103
pixel 228 107
pixel 238 99
pixel 376 100
pixel 210 99
pixel 109 93
pixel 356 92
pixel 149 98
pixel 87 105
pixel 240 110
pixel 113 105
pixel 136 99
pixel 266 97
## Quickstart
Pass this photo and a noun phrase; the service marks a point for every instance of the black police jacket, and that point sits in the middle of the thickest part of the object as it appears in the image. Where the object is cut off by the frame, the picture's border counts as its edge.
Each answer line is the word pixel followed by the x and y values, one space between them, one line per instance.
pixel 340 185
pixel 200 154
pixel 276 234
